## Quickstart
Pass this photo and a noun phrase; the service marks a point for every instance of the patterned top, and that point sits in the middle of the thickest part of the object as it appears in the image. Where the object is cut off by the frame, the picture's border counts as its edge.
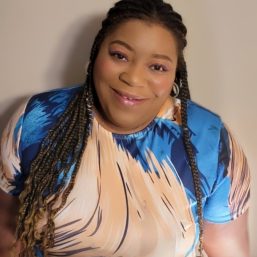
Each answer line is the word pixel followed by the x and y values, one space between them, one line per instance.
pixel 133 194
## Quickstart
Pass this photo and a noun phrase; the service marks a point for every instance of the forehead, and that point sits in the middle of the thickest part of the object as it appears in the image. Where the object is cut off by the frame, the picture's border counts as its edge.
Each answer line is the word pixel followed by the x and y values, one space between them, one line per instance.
pixel 144 35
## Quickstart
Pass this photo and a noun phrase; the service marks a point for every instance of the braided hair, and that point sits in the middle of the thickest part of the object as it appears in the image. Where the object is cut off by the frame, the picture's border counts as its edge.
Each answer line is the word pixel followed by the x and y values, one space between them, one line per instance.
pixel 63 147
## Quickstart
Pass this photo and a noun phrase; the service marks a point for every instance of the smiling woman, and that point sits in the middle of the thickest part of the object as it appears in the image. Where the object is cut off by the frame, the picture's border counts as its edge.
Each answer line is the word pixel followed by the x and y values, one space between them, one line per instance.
pixel 134 75
pixel 123 166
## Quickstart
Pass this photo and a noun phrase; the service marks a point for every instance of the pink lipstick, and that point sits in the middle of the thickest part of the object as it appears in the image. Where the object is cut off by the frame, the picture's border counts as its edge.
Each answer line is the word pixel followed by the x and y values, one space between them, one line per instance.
pixel 128 99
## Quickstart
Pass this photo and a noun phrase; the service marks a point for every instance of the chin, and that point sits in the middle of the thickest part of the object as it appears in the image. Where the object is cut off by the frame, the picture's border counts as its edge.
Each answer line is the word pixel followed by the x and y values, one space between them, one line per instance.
pixel 125 125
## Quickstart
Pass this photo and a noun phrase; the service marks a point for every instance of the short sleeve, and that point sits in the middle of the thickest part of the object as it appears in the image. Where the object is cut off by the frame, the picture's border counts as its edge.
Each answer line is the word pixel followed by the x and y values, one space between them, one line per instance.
pixel 231 192
pixel 10 155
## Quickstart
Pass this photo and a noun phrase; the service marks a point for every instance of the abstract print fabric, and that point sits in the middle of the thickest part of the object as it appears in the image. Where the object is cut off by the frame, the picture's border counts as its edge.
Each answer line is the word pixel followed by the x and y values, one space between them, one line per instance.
pixel 133 194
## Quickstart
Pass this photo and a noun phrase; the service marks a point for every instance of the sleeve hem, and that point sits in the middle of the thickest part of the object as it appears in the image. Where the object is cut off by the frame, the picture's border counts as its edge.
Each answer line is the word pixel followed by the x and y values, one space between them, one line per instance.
pixel 228 218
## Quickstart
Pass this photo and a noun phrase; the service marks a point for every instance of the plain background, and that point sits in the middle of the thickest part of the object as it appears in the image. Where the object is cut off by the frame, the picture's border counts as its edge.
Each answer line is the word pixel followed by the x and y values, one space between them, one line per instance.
pixel 46 44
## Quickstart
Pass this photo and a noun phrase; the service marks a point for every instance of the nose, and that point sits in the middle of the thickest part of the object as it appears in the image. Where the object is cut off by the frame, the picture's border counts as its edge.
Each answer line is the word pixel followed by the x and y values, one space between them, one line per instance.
pixel 133 76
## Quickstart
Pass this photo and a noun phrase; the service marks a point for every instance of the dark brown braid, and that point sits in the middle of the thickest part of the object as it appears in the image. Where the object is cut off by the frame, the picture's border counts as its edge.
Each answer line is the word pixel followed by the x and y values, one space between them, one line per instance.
pixel 184 96
pixel 61 150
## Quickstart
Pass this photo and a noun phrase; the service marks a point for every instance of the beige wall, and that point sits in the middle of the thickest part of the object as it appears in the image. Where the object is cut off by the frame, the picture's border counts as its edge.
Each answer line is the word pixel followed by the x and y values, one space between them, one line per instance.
pixel 45 44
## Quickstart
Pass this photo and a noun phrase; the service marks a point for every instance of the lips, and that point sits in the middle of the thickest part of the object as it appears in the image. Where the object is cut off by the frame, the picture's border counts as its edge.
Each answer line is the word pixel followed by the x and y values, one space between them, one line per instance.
pixel 128 99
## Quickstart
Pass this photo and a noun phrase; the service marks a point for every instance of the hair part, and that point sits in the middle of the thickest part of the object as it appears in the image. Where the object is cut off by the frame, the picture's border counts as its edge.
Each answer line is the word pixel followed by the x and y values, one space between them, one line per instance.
pixel 65 143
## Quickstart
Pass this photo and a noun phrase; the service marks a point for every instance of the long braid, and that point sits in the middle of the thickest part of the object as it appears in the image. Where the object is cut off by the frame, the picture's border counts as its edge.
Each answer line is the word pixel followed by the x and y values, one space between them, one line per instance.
pixel 33 202
pixel 184 97
pixel 65 143
pixel 63 146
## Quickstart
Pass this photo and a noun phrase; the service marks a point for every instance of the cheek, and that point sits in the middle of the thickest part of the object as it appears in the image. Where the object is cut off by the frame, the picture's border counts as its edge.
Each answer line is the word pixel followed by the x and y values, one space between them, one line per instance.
pixel 104 70
pixel 162 86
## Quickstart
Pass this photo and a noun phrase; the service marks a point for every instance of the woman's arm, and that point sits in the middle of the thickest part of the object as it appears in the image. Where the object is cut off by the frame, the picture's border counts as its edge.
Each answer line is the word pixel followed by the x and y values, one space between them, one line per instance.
pixel 8 212
pixel 227 240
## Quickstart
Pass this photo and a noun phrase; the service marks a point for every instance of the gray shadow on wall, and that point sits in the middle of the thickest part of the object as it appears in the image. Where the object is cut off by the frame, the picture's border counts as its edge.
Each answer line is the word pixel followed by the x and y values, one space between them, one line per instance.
pixel 68 63
pixel 72 53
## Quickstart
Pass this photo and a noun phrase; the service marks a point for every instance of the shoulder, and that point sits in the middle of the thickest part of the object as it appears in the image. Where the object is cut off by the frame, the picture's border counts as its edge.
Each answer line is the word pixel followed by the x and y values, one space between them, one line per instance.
pixel 203 123
pixel 52 98
pixel 49 104
pixel 199 116
pixel 206 128
pixel 43 111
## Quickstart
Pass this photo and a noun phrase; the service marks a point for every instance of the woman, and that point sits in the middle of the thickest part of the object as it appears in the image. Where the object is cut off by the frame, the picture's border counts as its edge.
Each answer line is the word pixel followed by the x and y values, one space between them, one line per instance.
pixel 118 167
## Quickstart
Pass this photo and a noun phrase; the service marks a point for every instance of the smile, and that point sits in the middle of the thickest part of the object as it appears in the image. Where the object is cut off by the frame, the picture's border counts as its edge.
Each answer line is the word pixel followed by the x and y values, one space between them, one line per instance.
pixel 128 99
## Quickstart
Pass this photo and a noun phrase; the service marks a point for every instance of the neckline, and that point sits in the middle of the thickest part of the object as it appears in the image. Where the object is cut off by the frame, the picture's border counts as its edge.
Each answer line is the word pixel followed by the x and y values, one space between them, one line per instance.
pixel 168 110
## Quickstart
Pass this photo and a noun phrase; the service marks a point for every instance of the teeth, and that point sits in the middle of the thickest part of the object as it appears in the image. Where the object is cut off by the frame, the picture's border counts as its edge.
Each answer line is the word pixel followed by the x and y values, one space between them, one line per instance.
pixel 128 98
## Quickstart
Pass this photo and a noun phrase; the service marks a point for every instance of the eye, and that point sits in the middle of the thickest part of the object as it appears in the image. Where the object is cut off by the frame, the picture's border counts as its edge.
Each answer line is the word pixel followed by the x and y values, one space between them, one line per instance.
pixel 119 56
pixel 158 67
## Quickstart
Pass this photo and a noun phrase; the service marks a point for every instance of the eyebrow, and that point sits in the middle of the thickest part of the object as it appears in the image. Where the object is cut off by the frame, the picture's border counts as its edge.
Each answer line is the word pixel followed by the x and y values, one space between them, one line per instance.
pixel 123 44
pixel 162 56
pixel 158 56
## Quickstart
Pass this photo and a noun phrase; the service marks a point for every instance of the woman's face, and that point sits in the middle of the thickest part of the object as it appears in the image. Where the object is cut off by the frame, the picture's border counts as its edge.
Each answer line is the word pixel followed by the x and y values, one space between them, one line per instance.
pixel 133 75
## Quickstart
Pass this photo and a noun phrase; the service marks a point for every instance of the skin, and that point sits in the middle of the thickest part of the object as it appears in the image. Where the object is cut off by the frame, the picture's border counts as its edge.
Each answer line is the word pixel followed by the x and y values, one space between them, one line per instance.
pixel 8 212
pixel 139 60
pixel 135 66
pixel 227 240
